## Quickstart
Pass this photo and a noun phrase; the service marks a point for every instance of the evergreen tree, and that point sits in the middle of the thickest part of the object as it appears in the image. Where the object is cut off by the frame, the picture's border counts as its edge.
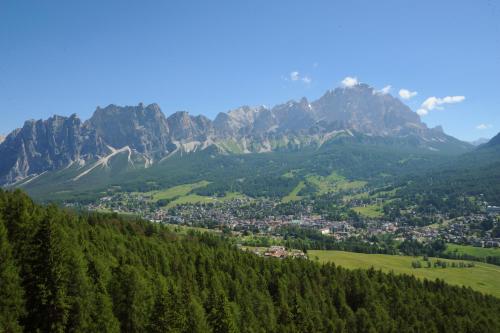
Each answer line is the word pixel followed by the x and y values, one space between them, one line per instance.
pixel 220 317
pixel 79 293
pixel 102 318
pixel 11 293
pixel 46 283
pixel 159 321
pixel 197 320
pixel 75 279
pixel 21 218
pixel 132 301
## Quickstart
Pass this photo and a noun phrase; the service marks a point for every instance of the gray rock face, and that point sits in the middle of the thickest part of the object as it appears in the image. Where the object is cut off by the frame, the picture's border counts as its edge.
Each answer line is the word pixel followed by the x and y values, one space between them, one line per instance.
pixel 58 142
pixel 358 108
pixel 362 109
pixel 143 129
pixel 45 145
pixel 188 128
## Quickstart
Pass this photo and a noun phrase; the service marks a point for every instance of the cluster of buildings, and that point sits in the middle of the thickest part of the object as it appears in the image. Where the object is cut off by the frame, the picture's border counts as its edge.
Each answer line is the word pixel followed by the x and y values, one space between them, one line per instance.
pixel 244 216
pixel 277 251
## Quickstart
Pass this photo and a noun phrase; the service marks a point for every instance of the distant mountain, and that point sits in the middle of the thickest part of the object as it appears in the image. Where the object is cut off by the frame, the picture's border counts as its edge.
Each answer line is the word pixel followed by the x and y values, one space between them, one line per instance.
pixel 494 142
pixel 474 173
pixel 479 141
pixel 2 138
pixel 146 136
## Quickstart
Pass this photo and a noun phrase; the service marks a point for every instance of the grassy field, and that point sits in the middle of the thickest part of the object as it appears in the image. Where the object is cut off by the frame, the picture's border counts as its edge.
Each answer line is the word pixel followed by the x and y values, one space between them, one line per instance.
pixel 177 191
pixel 293 196
pixel 369 211
pixel 483 277
pixel 333 183
pixel 388 195
pixel 190 199
pixel 479 252
pixel 181 194
pixel 195 198
pixel 184 230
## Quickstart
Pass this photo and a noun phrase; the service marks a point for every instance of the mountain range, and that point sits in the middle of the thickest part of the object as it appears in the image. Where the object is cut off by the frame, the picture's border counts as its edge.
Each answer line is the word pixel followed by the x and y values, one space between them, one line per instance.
pixel 147 137
pixel 479 142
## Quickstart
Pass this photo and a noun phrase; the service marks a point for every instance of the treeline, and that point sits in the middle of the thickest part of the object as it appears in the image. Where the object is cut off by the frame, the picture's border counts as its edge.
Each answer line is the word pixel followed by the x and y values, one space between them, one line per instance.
pixel 63 272
pixel 297 237
pixel 494 260
pixel 311 239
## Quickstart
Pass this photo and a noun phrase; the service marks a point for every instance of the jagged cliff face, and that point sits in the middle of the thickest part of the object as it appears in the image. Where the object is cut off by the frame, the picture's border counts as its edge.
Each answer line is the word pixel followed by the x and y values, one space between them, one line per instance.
pixel 362 109
pixel 144 129
pixel 59 142
pixel 47 145
pixel 186 128
pixel 358 108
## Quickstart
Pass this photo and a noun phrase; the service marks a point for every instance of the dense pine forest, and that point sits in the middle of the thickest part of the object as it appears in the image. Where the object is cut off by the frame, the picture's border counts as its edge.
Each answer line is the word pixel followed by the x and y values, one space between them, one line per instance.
pixel 66 272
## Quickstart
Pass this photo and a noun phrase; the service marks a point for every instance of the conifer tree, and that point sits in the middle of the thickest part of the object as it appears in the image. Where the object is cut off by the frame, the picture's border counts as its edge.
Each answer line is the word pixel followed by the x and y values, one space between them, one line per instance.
pixel 79 293
pixel 160 319
pixel 132 301
pixel 11 293
pixel 220 317
pixel 102 318
pixel 197 320
pixel 46 283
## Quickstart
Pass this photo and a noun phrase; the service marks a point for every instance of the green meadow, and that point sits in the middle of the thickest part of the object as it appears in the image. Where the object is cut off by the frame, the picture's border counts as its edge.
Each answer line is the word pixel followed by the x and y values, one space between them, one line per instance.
pixel 372 211
pixel 479 252
pixel 482 277
pixel 182 194
pixel 177 191
pixel 293 196
pixel 333 183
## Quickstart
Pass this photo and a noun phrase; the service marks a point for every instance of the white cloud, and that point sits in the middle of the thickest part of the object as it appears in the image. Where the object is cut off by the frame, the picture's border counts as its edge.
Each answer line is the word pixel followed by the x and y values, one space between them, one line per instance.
pixel 349 82
pixel 422 112
pixel 385 90
pixel 433 102
pixel 483 126
pixel 406 94
pixel 294 76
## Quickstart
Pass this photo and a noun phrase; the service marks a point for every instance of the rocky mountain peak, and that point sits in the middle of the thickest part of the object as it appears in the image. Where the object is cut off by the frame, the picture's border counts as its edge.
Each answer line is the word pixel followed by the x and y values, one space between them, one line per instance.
pixel 42 145
pixel 58 141
pixel 362 109
pixel 186 127
pixel 144 129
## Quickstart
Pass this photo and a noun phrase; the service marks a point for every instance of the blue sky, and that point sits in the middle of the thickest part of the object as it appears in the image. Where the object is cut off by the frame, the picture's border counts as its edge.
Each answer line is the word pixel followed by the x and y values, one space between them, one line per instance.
pixel 64 57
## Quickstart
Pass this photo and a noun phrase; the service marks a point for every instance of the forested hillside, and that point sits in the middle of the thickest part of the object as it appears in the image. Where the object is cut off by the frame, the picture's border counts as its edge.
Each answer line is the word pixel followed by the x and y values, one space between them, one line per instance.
pixel 257 175
pixel 472 174
pixel 63 272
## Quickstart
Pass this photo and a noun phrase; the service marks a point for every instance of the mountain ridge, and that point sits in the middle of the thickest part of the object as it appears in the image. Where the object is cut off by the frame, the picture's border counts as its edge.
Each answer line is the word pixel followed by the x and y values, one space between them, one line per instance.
pixel 493 142
pixel 59 141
